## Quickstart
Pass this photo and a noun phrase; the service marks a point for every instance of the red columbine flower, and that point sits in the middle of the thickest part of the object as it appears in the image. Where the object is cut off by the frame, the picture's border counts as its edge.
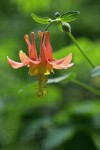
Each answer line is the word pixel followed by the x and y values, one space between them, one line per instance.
pixel 43 64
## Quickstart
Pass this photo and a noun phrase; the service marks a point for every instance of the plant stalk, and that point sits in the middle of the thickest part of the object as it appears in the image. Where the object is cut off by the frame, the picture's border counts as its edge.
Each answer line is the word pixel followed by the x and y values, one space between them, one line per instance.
pixel 80 49
pixel 47 28
pixel 93 90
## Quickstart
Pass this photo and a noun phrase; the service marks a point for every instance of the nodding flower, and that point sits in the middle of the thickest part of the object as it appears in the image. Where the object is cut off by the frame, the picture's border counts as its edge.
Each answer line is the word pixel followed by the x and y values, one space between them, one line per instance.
pixel 42 65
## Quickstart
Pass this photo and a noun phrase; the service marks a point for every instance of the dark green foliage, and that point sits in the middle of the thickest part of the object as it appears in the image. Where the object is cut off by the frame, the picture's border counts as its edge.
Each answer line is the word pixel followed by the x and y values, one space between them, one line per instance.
pixel 68 117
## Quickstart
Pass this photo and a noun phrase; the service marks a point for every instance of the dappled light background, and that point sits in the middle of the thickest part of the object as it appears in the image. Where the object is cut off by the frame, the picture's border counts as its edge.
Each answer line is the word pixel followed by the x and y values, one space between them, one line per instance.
pixel 68 117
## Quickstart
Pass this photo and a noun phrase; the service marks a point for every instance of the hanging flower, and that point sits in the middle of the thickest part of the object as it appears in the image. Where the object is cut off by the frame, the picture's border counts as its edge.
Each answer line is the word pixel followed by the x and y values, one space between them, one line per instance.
pixel 42 65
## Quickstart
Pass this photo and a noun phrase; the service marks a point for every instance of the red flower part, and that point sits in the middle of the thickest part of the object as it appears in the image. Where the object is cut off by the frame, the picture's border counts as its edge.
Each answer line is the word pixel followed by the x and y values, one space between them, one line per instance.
pixel 45 63
pixel 42 65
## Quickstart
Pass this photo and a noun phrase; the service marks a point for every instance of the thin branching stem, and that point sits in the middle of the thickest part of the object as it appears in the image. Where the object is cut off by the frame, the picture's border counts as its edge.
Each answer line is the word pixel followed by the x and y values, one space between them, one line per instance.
pixel 80 49
pixel 47 28
pixel 93 90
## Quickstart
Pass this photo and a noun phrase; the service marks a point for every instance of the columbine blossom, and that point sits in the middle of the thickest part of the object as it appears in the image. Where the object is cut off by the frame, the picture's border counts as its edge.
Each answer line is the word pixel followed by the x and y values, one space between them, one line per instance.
pixel 42 65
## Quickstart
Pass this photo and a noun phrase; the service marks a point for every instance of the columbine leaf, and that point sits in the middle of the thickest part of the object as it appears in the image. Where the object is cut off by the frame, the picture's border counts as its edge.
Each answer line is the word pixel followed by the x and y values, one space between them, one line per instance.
pixel 57 136
pixel 43 20
pixel 96 71
pixel 69 76
pixel 59 25
pixel 69 16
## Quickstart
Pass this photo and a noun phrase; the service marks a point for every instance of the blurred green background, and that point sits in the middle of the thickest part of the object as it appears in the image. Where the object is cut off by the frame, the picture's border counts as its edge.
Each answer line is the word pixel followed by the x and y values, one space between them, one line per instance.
pixel 68 118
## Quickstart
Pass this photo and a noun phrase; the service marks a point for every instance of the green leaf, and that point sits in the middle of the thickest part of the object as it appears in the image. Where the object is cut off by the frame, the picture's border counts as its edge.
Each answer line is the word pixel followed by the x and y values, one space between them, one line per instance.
pixel 43 20
pixel 32 129
pixel 69 76
pixel 89 108
pixel 57 136
pixel 96 71
pixel 59 25
pixel 69 16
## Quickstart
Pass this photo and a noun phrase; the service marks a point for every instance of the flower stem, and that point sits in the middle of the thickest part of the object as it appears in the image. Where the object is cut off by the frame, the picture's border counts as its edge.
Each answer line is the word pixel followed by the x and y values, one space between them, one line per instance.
pixel 93 90
pixel 81 50
pixel 47 28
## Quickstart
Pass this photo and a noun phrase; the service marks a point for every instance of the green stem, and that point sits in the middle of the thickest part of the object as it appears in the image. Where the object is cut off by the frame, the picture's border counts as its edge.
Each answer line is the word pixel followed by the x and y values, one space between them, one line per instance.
pixel 93 90
pixel 81 50
pixel 47 28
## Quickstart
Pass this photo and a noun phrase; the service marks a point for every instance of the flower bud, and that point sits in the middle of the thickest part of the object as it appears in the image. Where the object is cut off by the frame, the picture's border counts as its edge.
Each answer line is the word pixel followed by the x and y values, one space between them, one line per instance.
pixel 57 15
pixel 66 27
